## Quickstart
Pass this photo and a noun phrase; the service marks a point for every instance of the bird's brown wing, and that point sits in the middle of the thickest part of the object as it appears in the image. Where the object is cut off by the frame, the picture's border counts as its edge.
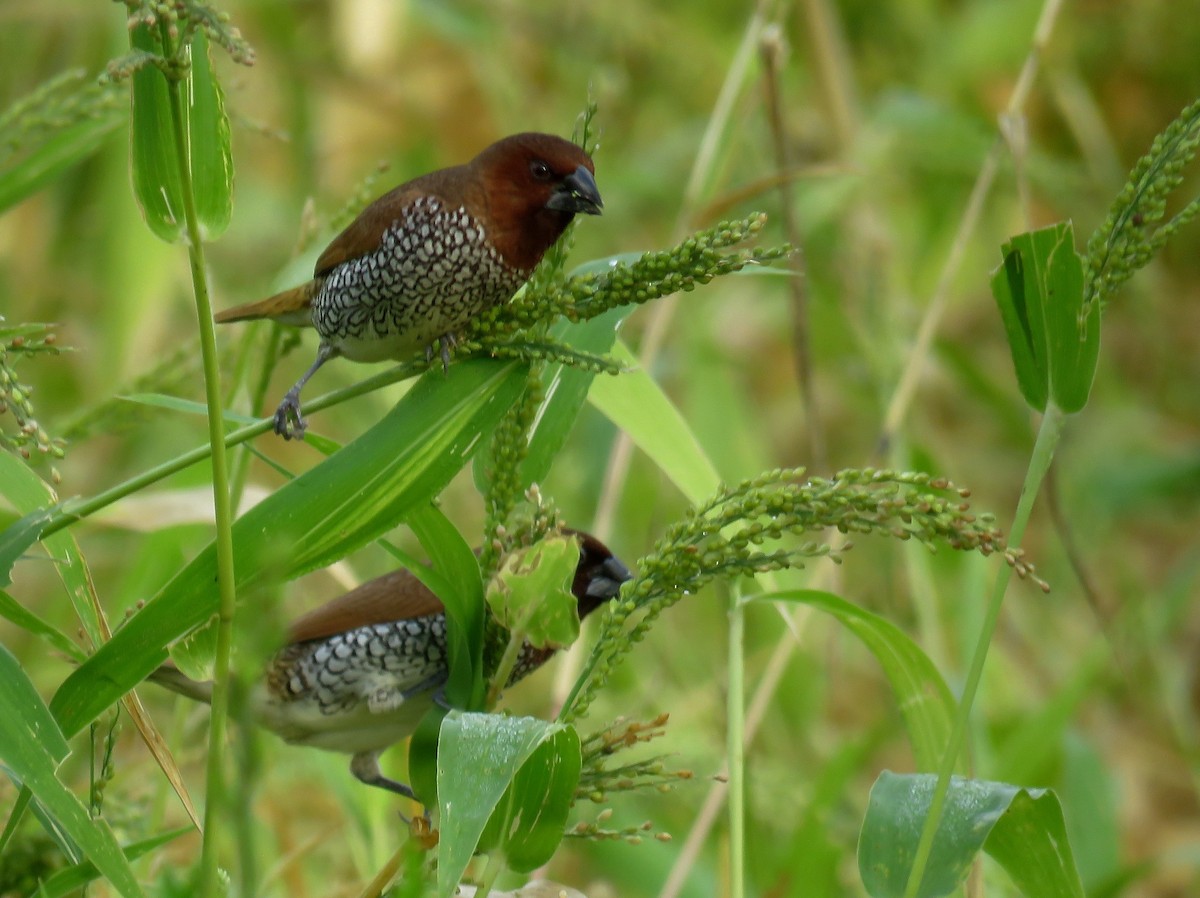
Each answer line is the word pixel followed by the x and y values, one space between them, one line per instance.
pixel 364 234
pixel 394 596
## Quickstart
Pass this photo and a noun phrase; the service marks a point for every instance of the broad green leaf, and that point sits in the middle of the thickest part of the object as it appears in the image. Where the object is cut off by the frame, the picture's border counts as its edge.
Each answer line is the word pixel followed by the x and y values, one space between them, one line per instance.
pixel 31 747
pixel 1073 351
pixel 1039 290
pixel 154 150
pixel 1021 828
pixel 531 817
pixel 332 509
pixel 531 592
pixel 71 880
pixel 637 405
pixel 922 696
pixel 153 153
pixel 479 755
pixel 210 145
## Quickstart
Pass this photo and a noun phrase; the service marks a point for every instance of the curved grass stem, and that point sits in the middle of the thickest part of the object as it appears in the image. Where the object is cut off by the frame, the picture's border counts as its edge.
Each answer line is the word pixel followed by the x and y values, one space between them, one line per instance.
pixel 1039 464
pixel 222 507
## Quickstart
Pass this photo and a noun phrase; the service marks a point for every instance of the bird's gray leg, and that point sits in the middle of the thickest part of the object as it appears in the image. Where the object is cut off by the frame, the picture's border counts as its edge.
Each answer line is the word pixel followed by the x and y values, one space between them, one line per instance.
pixel 365 767
pixel 447 341
pixel 289 409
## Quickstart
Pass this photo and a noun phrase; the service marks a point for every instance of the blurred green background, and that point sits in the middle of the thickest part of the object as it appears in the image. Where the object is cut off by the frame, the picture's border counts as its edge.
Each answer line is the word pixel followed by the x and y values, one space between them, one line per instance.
pixel 889 110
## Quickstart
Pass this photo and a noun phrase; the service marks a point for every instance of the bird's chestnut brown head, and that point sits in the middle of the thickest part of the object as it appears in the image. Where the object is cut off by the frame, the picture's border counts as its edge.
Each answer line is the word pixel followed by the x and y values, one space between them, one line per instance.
pixel 598 576
pixel 534 185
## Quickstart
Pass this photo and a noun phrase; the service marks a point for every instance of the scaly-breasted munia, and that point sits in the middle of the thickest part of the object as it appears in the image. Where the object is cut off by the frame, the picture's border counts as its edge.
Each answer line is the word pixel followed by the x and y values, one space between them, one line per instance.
pixel 358 673
pixel 423 260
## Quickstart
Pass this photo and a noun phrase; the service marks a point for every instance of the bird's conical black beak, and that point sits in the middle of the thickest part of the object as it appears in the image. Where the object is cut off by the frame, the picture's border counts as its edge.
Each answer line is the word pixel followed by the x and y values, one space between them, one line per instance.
pixel 606 580
pixel 577 193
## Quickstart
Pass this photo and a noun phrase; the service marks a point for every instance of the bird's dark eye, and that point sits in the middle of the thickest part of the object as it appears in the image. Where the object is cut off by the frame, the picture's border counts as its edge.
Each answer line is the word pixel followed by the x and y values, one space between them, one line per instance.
pixel 540 170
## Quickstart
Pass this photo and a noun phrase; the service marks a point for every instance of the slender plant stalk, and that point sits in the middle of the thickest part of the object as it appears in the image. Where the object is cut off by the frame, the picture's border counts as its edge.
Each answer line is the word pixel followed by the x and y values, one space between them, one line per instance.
pixel 491 872
pixel 77 511
pixel 222 508
pixel 1043 454
pixel 771 50
pixel 380 881
pixel 735 744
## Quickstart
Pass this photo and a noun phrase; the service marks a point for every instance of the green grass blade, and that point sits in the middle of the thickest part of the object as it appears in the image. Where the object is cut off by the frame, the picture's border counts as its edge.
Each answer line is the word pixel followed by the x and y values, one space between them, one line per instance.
pixel 12 611
pixel 339 505
pixel 454 560
pixel 637 405
pixel 567 390
pixel 34 499
pixel 31 747
pixel 54 156
pixel 921 694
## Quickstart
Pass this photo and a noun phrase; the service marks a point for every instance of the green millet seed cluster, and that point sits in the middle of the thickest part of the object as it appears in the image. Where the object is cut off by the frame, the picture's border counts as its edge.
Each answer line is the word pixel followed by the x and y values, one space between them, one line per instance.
pixel 1128 238
pixel 507 451
pixel 62 102
pixel 599 776
pixel 30 441
pixel 725 537
pixel 693 262
pixel 183 18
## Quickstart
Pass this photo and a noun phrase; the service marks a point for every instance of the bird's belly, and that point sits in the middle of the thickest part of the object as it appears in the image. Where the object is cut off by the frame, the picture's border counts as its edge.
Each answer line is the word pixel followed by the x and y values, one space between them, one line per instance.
pixel 433 272
pixel 358 690
pixel 356 729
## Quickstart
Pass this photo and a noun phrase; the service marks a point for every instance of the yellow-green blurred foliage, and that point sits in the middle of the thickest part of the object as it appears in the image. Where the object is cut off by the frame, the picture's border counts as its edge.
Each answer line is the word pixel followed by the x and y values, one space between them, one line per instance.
pixel 889 111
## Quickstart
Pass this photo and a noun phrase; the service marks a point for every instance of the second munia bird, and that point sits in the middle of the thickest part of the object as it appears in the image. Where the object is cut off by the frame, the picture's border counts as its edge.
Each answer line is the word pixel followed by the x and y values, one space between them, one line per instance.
pixel 359 673
pixel 422 261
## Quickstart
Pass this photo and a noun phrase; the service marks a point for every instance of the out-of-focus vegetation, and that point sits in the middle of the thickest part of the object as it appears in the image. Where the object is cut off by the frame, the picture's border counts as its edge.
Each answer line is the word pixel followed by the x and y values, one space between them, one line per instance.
pixel 889 113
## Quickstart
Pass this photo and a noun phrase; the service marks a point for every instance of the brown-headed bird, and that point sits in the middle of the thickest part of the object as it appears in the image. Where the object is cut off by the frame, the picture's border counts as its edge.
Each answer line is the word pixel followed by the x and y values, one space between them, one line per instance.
pixel 423 260
pixel 358 673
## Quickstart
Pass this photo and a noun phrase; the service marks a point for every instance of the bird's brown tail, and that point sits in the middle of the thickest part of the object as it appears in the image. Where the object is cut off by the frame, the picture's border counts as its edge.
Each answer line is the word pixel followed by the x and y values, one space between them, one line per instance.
pixel 289 307
pixel 172 678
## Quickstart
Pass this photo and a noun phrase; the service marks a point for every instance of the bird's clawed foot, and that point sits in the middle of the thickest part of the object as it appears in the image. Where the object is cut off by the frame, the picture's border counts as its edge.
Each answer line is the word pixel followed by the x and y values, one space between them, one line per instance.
pixel 289 423
pixel 446 342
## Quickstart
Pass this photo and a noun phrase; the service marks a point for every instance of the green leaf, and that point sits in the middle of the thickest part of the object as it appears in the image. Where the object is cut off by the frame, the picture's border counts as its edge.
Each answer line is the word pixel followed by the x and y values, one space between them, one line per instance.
pixel 31 747
pixel 566 390
pixel 531 817
pixel 1021 828
pixel 531 593
pixel 479 756
pixel 637 405
pixel 209 142
pixel 153 155
pixel 462 594
pixel 921 694
pixel 1039 290
pixel 332 509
